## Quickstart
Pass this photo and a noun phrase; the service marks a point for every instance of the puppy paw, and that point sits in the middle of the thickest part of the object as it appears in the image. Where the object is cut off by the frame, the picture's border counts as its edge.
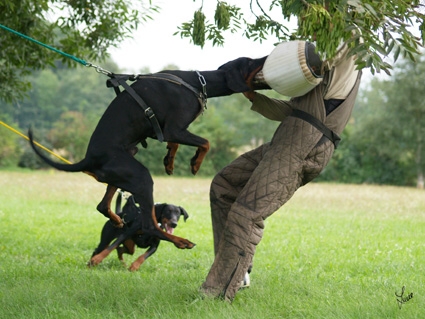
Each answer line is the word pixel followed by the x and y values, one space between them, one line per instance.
pixel 184 244
pixel 134 267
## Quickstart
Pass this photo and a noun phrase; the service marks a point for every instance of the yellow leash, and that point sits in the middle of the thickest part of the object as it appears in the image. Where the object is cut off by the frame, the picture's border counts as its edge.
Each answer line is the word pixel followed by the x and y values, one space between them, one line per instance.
pixel 41 146
pixel 38 144
pixel 56 155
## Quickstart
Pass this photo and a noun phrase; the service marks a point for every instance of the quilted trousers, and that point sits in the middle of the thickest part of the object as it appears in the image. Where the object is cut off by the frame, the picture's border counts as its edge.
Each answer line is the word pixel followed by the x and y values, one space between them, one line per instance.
pixel 250 189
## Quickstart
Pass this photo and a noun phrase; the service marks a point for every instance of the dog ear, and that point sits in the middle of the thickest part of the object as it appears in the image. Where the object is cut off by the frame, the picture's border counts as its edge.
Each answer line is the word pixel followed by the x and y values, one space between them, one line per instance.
pixel 234 74
pixel 184 213
pixel 236 82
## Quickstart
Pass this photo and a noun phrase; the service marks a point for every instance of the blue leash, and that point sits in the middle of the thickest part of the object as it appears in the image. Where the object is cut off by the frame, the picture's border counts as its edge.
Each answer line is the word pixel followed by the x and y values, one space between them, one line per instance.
pixel 81 61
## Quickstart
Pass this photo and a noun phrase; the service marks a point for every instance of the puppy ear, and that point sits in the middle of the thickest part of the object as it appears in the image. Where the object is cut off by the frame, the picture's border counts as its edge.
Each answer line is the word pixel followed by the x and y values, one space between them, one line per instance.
pixel 184 213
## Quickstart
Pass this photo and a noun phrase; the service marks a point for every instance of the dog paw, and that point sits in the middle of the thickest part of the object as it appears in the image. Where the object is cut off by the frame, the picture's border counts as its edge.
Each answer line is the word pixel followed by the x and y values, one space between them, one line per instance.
pixel 121 225
pixel 169 164
pixel 169 171
pixel 116 221
pixel 96 260
pixel 134 267
pixel 184 244
pixel 195 165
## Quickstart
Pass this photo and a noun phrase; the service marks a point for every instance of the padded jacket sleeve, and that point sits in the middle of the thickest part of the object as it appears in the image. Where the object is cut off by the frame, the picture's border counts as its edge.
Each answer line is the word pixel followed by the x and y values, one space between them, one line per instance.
pixel 273 109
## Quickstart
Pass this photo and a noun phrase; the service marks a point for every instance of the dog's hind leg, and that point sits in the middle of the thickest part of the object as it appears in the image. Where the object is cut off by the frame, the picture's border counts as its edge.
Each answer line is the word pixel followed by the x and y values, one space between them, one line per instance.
pixel 104 206
pixel 108 234
pixel 169 158
pixel 128 247
pixel 130 175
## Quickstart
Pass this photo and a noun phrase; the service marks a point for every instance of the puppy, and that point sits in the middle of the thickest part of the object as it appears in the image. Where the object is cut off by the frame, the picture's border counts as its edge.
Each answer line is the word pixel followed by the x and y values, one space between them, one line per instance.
pixel 167 216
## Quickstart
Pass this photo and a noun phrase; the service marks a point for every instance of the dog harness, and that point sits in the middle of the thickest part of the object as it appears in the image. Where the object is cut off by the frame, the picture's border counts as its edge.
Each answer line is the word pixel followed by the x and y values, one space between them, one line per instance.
pixel 117 80
pixel 202 96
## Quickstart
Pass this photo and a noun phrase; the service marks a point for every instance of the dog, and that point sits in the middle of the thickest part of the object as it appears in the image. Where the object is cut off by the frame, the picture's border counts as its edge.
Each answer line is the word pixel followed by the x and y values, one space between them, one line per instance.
pixel 167 215
pixel 176 103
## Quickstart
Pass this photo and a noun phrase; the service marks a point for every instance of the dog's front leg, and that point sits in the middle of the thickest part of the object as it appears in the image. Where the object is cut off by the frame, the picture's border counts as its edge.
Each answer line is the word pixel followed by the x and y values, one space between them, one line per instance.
pixel 169 158
pixel 179 242
pixel 196 161
pixel 139 261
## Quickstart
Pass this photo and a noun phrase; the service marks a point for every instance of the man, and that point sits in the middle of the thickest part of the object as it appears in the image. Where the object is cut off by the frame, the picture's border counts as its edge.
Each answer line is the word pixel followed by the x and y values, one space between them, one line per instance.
pixel 259 182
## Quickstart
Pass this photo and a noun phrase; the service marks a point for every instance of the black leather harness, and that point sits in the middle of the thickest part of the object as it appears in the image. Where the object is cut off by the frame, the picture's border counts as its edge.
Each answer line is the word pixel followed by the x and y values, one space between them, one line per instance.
pixel 117 80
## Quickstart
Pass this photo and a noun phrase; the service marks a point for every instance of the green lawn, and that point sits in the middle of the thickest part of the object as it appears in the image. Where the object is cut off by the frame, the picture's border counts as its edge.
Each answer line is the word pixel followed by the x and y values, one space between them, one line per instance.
pixel 334 251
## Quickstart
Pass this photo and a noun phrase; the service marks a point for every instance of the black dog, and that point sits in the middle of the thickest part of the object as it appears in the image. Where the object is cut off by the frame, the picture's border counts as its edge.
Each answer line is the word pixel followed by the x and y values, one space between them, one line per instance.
pixel 167 215
pixel 109 157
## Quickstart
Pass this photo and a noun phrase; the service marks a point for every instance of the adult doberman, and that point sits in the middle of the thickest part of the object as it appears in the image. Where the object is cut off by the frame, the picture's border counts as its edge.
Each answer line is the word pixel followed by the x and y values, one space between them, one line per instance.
pixel 176 99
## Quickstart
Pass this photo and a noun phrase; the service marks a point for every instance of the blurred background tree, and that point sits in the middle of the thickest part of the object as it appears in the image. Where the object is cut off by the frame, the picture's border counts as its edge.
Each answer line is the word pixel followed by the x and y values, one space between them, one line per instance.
pixel 382 144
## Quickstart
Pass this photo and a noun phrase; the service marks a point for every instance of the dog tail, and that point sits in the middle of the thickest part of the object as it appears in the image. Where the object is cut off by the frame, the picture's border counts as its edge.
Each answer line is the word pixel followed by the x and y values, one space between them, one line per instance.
pixel 77 167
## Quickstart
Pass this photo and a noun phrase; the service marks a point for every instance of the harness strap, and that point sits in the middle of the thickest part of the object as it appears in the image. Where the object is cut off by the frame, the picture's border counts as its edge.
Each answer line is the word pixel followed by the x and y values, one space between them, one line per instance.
pixel 331 135
pixel 202 96
pixel 117 80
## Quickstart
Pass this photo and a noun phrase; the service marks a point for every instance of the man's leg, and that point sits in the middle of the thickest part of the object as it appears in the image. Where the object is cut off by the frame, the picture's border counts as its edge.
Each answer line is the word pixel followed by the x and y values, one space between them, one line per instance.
pixel 267 189
pixel 227 185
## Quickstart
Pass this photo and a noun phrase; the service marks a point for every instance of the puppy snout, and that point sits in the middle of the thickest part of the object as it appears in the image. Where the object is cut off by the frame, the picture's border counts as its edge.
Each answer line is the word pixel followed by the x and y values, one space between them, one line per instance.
pixel 173 225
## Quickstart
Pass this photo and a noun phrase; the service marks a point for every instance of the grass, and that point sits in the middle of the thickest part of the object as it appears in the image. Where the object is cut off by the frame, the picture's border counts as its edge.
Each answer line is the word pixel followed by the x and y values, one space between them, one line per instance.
pixel 334 251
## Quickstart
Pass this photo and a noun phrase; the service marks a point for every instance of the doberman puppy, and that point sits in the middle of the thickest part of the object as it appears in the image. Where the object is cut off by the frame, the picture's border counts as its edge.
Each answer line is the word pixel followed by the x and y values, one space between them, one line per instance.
pixel 167 215
pixel 109 157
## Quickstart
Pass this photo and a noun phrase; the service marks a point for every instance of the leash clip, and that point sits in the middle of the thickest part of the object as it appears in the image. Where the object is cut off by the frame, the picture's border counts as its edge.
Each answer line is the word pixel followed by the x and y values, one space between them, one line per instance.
pixel 204 87
pixel 99 69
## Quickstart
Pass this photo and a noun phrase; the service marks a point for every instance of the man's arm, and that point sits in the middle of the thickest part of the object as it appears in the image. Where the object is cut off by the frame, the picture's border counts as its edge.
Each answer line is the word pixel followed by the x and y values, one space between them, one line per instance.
pixel 273 109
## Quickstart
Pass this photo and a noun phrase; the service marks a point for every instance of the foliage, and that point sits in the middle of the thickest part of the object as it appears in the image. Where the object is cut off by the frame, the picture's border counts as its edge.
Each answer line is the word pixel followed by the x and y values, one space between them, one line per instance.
pixel 81 28
pixel 56 92
pixel 385 27
pixel 71 134
pixel 226 17
pixel 384 143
